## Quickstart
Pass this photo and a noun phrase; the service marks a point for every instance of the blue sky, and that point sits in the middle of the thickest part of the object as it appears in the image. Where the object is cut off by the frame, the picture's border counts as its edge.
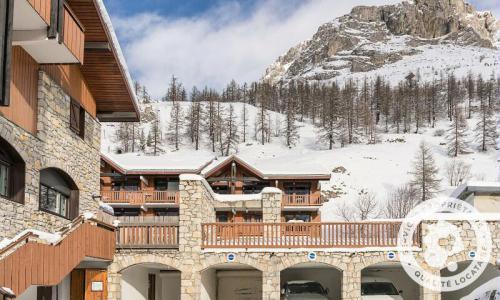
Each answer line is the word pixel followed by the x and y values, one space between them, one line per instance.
pixel 210 42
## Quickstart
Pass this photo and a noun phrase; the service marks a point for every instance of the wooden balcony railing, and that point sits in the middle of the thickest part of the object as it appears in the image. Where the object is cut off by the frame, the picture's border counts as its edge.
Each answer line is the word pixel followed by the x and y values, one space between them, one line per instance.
pixel 301 200
pixel 302 235
pixel 27 261
pixel 42 7
pixel 147 235
pixel 73 36
pixel 140 197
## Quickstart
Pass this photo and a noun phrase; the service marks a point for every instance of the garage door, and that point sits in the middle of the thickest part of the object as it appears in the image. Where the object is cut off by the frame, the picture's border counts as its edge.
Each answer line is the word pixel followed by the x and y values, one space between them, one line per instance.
pixel 239 285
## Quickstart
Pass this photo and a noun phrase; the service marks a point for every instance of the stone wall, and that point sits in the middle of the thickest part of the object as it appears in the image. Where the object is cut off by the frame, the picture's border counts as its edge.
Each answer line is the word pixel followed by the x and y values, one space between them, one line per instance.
pixel 55 145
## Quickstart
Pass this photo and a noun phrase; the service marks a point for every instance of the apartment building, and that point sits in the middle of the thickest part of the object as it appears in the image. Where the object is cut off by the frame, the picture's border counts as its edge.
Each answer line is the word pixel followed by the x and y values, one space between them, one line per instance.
pixel 217 229
pixel 136 190
pixel 61 74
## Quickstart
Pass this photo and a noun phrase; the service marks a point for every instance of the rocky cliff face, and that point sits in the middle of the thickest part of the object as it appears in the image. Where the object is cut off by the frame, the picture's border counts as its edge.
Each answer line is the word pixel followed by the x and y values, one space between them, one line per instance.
pixel 371 37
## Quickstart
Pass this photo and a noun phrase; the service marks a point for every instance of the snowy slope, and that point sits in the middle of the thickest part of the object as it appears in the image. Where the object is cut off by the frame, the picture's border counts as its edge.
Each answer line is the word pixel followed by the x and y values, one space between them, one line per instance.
pixel 377 168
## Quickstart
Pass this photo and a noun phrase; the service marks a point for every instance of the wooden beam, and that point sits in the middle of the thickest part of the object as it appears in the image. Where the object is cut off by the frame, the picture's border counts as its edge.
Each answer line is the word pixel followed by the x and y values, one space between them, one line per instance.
pixel 97 46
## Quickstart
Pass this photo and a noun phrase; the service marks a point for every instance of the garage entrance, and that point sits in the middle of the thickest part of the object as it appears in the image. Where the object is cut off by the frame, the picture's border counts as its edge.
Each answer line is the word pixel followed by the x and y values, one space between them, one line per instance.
pixel 151 282
pixel 483 288
pixel 312 277
pixel 388 278
pixel 231 282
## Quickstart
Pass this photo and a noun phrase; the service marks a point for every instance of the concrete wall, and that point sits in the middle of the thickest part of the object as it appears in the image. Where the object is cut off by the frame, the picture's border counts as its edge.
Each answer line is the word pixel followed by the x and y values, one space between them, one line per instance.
pixel 135 283
pixel 59 292
pixel 55 145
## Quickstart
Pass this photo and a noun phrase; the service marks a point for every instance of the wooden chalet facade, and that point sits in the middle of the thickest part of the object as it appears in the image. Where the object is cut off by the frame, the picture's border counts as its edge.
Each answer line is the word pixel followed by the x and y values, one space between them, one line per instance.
pixel 61 74
pixel 155 193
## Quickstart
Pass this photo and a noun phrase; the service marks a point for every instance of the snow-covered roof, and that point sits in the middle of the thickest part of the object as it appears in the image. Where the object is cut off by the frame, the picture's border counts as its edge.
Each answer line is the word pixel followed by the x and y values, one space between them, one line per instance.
pixel 273 168
pixel 115 45
pixel 168 163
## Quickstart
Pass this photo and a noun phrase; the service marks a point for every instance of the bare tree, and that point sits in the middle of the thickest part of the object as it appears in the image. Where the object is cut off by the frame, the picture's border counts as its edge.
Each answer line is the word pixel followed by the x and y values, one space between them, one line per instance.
pixel 457 172
pixel 457 134
pixel 401 201
pixel 345 211
pixel 231 137
pixel 425 173
pixel 366 206
pixel 175 125
pixel 486 129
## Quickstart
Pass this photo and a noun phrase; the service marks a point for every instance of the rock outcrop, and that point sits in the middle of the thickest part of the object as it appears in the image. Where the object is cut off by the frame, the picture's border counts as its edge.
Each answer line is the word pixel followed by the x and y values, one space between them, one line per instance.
pixel 373 36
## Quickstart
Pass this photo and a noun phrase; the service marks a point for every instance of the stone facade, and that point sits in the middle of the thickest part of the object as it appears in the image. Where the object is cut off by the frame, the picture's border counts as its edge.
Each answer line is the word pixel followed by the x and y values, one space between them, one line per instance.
pixel 271 205
pixel 54 146
pixel 196 207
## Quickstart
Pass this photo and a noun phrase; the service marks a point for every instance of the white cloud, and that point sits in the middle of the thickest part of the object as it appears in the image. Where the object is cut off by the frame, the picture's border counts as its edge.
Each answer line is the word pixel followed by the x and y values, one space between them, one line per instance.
pixel 222 44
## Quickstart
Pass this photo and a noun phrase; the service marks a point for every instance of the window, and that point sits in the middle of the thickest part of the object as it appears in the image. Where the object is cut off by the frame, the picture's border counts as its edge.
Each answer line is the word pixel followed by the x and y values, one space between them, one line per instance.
pixel 12 173
pixel 299 188
pixel 77 118
pixel 298 217
pixel 54 201
pixel 253 218
pixel 161 184
pixel 58 194
pixel 129 184
pixel 254 187
pixel 222 217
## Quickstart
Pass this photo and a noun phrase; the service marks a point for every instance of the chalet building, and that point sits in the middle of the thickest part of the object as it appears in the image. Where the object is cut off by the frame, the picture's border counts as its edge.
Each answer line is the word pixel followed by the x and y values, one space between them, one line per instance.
pixel 61 74
pixel 484 196
pixel 139 191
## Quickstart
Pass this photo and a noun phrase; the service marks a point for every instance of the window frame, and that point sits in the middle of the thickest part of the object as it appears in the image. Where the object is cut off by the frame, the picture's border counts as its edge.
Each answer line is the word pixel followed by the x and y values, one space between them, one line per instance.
pixel 59 193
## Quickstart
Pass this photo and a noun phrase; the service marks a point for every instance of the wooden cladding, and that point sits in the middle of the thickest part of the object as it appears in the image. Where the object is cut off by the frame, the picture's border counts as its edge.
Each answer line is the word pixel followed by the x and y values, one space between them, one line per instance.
pixel 42 7
pixel 73 36
pixel 41 264
pixel 140 197
pixel 301 200
pixel 302 235
pixel 23 91
pixel 72 81
pixel 147 235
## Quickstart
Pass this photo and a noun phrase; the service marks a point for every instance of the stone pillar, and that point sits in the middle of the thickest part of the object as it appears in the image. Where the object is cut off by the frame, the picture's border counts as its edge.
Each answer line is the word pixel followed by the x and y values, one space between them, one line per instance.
pixel 351 283
pixel 114 286
pixel 195 208
pixel 271 285
pixel 271 205
pixel 190 285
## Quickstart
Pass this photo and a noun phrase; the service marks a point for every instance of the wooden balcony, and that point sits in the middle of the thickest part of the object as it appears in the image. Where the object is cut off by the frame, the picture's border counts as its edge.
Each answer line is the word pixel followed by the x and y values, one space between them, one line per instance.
pixel 147 232
pixel 301 200
pixel 28 261
pixel 73 36
pixel 140 197
pixel 302 235
pixel 42 7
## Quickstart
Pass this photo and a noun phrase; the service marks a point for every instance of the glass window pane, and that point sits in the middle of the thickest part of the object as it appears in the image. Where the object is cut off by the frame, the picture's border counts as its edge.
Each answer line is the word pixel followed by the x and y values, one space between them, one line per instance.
pixel 63 205
pixel 4 180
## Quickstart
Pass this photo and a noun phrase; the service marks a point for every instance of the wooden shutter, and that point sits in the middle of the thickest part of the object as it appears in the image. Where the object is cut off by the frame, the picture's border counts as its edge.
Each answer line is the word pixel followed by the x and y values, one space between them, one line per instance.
pixel 74 203
pixel 6 15
pixel 74 116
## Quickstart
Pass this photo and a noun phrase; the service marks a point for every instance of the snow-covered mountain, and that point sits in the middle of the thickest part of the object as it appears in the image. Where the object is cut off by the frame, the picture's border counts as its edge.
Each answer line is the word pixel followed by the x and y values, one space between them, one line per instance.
pixel 425 35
